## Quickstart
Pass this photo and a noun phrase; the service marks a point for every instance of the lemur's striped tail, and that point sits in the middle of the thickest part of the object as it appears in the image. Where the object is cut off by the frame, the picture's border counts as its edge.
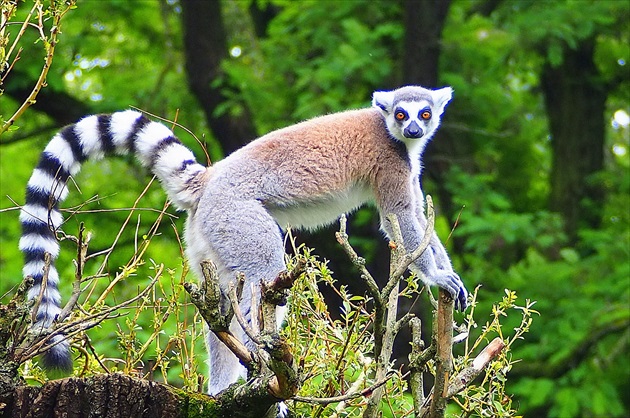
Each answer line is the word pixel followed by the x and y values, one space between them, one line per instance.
pixel 92 138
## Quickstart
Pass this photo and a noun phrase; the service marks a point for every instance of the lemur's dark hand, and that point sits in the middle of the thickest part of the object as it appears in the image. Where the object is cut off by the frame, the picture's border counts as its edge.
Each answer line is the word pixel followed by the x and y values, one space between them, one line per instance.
pixel 451 282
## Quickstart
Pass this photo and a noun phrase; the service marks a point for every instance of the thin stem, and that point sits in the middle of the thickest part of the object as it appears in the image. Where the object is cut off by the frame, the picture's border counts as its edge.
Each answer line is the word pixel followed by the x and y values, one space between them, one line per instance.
pixel 50 52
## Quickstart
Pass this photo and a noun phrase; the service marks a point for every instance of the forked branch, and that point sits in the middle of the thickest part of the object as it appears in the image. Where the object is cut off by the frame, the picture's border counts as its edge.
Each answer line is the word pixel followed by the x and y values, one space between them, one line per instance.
pixel 273 353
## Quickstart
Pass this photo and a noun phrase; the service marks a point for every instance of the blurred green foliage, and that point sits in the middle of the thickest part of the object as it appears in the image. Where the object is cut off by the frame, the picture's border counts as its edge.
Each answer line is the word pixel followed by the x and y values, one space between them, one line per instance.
pixel 321 57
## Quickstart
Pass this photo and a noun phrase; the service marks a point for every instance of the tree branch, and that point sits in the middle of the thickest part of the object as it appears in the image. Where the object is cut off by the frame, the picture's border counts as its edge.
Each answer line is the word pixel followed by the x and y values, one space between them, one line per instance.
pixel 49 44
pixel 358 262
pixel 444 354
pixel 417 365
pixel 466 376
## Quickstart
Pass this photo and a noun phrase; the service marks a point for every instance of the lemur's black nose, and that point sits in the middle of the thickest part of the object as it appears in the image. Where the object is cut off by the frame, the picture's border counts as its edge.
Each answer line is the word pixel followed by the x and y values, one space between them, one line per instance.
pixel 413 130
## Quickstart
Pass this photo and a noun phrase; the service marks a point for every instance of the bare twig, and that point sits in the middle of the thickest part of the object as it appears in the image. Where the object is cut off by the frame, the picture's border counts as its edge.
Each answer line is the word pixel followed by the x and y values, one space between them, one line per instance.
pixel 348 396
pixel 42 286
pixel 20 33
pixel 137 255
pixel 207 299
pixel 275 354
pixel 285 382
pixel 82 247
pixel 358 383
pixel 234 301
pixel 49 44
pixel 88 344
pixel 287 278
pixel 108 251
pixel 359 262
pixel 386 300
pixel 174 123
pixel 385 328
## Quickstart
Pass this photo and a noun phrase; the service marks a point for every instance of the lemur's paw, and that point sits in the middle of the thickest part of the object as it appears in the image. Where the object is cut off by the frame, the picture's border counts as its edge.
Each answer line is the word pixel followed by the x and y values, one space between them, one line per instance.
pixel 283 410
pixel 451 282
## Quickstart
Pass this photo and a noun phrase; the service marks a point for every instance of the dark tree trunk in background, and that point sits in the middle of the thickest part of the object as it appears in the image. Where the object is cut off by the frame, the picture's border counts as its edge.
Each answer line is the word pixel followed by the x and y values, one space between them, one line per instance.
pixel 575 97
pixel 424 21
pixel 205 44
pixel 262 15
pixel 54 101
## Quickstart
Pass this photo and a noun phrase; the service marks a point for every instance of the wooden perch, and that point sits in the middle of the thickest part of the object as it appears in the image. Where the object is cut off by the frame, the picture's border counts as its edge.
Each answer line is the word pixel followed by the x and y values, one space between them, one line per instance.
pixel 444 354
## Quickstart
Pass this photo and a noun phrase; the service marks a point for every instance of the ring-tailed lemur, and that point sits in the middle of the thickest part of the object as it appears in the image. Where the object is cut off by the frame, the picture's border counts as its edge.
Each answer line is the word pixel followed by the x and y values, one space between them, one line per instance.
pixel 305 175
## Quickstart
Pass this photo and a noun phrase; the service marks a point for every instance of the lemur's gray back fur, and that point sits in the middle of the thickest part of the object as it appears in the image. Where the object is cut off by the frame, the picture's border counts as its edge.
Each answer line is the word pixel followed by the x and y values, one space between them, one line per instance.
pixel 92 138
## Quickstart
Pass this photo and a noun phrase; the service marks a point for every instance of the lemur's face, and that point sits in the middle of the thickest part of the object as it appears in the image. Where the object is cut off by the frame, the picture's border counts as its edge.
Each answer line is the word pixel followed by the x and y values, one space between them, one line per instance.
pixel 412 114
pixel 412 120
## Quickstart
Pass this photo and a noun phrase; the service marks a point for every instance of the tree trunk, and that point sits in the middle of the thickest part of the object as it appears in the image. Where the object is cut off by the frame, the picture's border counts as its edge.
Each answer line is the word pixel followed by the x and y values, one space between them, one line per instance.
pixel 205 45
pixel 53 100
pixel 262 14
pixel 117 395
pixel 424 21
pixel 575 98
pixel 107 395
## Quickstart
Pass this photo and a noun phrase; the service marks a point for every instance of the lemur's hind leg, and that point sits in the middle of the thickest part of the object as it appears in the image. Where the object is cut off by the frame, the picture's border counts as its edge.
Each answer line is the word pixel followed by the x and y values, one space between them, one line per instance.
pixel 242 237
pixel 225 368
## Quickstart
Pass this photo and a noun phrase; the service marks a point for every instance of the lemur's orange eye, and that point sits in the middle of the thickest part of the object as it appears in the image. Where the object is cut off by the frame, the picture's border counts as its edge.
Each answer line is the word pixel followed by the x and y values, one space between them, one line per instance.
pixel 400 116
pixel 426 115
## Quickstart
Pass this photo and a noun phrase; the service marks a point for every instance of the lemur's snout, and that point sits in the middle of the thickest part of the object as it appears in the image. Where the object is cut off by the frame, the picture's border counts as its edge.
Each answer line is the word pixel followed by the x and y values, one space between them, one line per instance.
pixel 413 130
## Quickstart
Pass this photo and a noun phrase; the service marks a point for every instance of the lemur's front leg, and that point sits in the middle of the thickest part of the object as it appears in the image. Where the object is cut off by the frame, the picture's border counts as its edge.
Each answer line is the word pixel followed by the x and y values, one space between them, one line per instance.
pixel 437 264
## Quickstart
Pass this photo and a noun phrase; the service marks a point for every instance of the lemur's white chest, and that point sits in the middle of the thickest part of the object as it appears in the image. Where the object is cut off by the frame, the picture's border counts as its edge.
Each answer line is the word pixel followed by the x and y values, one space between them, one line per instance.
pixel 317 212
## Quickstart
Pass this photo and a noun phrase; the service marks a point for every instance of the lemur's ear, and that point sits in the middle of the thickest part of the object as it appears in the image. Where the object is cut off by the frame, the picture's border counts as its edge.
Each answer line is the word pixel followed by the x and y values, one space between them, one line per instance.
pixel 441 97
pixel 383 100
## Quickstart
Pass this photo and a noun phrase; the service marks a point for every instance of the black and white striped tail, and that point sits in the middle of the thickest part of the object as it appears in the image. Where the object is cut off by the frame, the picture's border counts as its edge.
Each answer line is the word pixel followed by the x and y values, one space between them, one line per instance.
pixel 92 138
